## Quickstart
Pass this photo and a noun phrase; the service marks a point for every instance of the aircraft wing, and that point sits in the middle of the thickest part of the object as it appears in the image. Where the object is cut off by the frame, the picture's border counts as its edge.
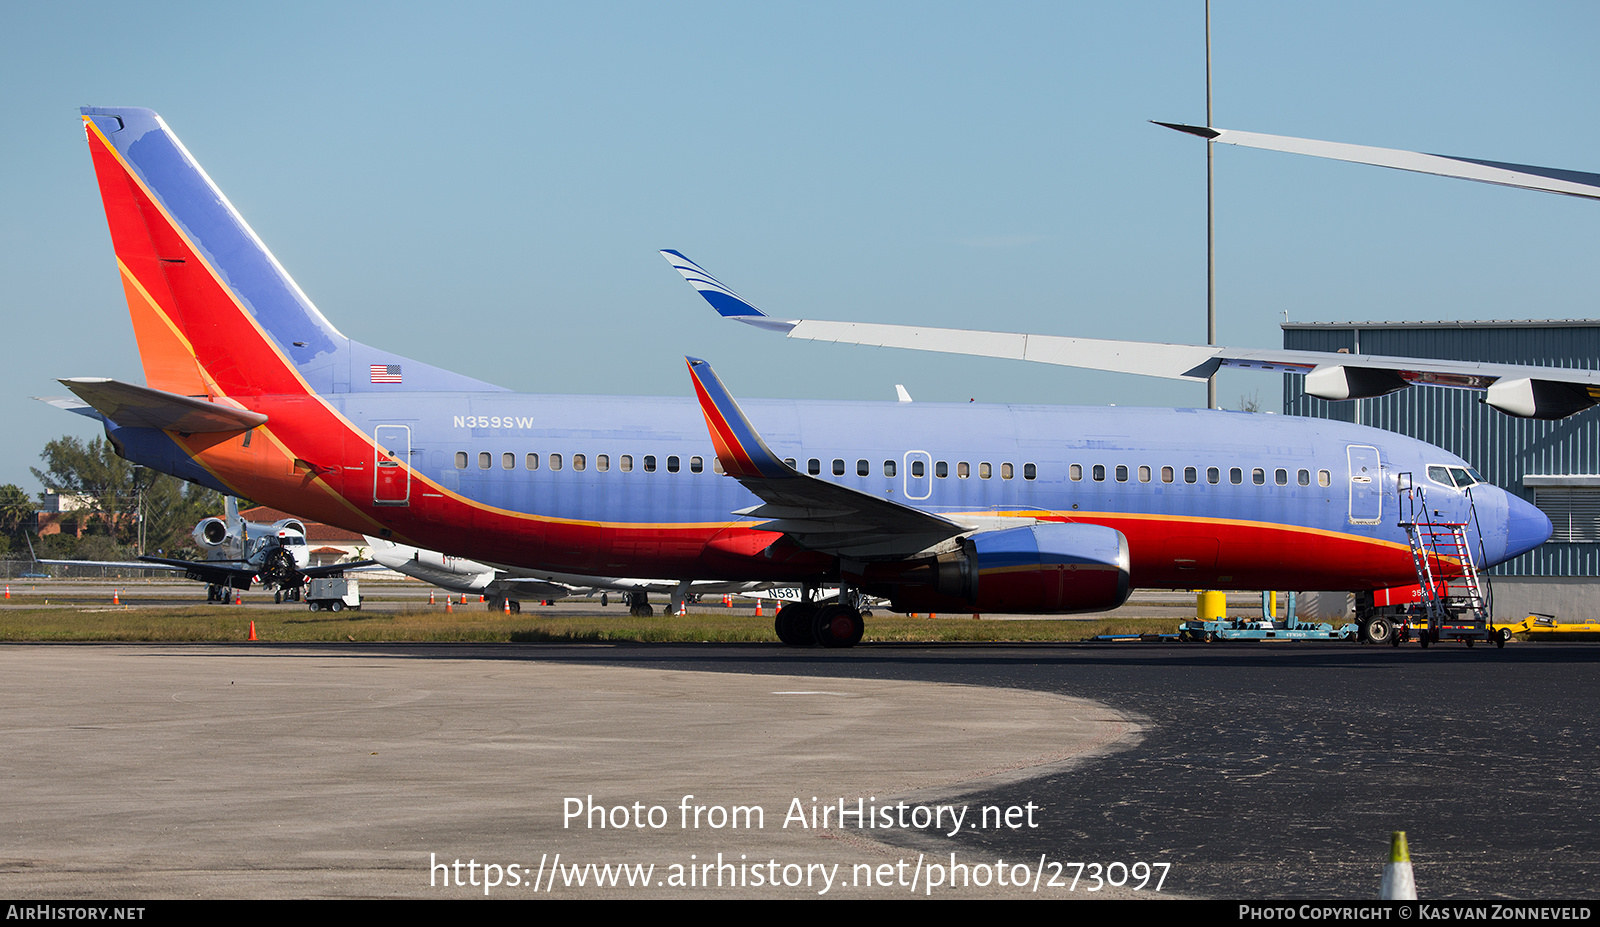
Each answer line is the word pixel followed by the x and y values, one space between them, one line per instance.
pixel 235 573
pixel 1504 173
pixel 1520 390
pixel 817 514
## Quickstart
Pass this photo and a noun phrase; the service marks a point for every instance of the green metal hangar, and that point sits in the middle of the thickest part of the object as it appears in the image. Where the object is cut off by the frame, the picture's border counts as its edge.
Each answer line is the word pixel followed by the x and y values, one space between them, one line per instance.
pixel 1553 464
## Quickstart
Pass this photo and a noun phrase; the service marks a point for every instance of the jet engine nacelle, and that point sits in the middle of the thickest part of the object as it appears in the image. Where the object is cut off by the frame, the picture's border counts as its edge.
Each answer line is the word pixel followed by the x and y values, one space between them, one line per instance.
pixel 1541 399
pixel 210 533
pixel 215 536
pixel 1049 568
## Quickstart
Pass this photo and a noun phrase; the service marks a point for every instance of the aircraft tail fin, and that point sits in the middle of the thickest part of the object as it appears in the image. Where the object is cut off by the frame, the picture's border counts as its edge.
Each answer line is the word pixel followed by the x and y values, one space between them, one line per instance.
pixel 214 312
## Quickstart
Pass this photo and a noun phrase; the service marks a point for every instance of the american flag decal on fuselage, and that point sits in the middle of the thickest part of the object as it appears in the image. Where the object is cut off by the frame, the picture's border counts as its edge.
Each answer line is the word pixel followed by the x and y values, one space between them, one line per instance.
pixel 386 373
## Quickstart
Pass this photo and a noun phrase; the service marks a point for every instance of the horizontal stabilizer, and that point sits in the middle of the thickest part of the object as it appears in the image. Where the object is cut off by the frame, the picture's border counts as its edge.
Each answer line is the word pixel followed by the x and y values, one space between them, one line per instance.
pixel 142 407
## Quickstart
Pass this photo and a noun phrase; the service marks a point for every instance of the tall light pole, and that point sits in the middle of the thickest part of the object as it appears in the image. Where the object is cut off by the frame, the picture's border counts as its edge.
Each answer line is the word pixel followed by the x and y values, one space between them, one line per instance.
pixel 1211 228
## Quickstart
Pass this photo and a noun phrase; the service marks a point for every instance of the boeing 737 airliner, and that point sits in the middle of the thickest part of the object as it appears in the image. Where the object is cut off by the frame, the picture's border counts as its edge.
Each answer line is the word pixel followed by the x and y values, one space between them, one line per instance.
pixel 1021 508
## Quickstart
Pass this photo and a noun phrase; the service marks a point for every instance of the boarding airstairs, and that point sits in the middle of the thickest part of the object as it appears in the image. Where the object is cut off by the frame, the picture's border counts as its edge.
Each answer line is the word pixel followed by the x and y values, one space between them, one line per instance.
pixel 1453 595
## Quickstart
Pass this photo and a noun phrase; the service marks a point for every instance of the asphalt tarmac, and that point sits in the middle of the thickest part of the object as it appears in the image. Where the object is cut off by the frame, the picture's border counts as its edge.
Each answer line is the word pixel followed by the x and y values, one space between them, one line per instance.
pixel 1231 771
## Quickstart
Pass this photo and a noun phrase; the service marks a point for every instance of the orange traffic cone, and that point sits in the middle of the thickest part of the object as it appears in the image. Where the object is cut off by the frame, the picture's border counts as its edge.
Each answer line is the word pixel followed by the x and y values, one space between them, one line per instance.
pixel 480 599
pixel 727 601
pixel 448 608
pixel 115 600
pixel 430 597
pixel 758 608
pixel 507 607
pixel 252 630
pixel 238 597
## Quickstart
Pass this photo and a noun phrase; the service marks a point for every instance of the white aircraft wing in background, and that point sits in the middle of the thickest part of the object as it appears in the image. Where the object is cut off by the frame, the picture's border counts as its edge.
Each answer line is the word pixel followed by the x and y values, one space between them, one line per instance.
pixel 1503 173
pixel 1519 390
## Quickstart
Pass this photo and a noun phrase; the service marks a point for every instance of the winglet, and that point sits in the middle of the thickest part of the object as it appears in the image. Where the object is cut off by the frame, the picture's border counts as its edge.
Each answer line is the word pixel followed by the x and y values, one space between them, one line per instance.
pixel 740 450
pixel 729 305
pixel 1201 131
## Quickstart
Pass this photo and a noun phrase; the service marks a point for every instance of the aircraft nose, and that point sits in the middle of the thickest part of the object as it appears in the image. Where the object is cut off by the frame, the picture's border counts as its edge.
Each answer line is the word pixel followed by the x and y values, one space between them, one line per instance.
pixel 1526 526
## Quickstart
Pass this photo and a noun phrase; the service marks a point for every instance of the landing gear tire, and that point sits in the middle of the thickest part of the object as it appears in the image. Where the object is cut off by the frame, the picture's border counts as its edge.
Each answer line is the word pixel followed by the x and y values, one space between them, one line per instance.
pixel 837 626
pixel 1380 631
pixel 604 600
pixel 1424 637
pixel 336 605
pixel 793 624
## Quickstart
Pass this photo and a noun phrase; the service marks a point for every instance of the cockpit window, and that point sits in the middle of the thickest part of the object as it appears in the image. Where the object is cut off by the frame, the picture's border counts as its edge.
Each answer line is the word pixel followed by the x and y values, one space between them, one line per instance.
pixel 1458 477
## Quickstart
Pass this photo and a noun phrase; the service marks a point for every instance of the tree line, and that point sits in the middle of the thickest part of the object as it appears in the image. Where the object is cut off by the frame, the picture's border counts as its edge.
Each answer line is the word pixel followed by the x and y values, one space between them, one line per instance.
pixel 123 509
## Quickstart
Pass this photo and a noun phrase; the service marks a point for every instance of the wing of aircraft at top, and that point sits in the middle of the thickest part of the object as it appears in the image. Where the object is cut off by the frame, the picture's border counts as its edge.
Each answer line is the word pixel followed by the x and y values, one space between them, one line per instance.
pixel 1525 391
pixel 1506 174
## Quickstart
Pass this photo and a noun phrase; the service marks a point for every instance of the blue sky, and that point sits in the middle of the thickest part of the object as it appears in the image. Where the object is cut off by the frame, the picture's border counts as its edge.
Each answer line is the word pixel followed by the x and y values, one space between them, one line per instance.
pixel 485 188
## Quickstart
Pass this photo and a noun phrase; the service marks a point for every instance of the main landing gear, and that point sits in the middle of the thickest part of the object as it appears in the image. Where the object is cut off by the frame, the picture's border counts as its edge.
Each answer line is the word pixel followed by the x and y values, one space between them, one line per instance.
pixel 831 624
pixel 639 605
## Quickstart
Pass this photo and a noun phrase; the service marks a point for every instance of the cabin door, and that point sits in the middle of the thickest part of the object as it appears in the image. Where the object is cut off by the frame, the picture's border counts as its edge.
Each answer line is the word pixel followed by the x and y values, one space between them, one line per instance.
pixel 1366 485
pixel 391 475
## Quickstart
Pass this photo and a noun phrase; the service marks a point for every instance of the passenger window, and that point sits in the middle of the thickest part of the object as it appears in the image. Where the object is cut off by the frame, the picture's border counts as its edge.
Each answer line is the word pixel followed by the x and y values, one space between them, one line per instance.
pixel 1281 477
pixel 1166 475
pixel 814 466
pixel 696 465
pixel 1305 477
pixel 579 462
pixel 555 461
pixel 1005 471
pixel 532 461
pixel 602 462
pixel 1122 473
pixel 1144 474
pixel 863 468
pixel 483 460
pixel 716 466
pixel 1213 475
pixel 1235 476
pixel 1191 475
pixel 1030 471
pixel 625 463
pixel 838 467
pixel 888 468
pixel 941 469
pixel 1324 478
pixel 508 461
pixel 918 471
pixel 1258 476
pixel 790 462
pixel 963 470
pixel 985 471
pixel 1099 473
pixel 649 463
pixel 461 460
pixel 1074 472
pixel 672 464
